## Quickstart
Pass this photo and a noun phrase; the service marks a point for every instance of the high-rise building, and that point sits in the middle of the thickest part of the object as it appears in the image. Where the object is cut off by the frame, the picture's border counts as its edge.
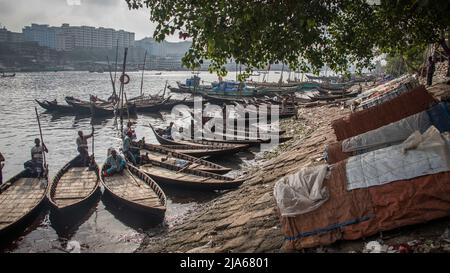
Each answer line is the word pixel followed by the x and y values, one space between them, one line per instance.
pixel 67 38
pixel 9 36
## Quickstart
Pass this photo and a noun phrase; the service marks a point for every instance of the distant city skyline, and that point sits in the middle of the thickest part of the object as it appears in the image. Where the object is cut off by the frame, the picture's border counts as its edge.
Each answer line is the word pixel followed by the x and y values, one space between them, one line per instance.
pixel 97 13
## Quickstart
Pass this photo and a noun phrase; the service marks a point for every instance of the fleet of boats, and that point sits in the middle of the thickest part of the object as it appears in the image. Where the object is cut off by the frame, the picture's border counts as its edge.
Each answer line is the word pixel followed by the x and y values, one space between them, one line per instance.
pixel 175 163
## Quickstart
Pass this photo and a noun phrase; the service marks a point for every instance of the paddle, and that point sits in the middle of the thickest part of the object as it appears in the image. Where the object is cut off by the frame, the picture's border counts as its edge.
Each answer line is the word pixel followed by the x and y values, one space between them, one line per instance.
pixel 93 145
pixel 42 140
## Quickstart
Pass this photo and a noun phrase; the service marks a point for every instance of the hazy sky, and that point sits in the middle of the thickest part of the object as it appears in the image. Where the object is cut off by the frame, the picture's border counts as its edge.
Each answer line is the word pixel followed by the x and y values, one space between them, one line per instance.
pixel 15 14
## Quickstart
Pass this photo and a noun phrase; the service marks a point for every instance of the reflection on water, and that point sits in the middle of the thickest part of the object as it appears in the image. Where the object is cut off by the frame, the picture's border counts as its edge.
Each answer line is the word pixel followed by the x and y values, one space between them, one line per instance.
pixel 102 227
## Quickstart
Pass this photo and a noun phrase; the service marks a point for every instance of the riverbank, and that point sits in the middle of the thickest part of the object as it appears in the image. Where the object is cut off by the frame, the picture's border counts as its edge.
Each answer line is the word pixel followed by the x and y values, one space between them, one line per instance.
pixel 245 220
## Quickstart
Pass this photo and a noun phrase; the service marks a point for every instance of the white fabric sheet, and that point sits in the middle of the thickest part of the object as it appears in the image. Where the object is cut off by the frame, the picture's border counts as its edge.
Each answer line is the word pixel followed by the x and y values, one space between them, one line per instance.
pixel 301 192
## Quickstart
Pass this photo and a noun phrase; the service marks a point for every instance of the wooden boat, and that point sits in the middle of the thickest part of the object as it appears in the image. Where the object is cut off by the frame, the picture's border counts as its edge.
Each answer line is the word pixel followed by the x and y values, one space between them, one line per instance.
pixel 205 147
pixel 160 153
pixel 171 175
pixel 260 131
pixel 323 78
pixel 271 84
pixel 136 190
pixel 21 197
pixel 162 106
pixel 102 109
pixel 221 99
pixel 213 150
pixel 73 185
pixel 336 86
pixel 81 107
pixel 243 139
pixel 333 97
pixel 331 91
pixel 8 75
pixel 51 106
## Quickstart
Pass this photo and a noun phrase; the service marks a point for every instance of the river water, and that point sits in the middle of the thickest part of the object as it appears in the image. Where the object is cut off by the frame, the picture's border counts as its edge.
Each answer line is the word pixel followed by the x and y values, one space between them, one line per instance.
pixel 105 227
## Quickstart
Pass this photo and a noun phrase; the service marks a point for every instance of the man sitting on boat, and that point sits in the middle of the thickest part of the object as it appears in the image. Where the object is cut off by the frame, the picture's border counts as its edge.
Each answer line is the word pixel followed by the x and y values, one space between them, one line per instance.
pixel 82 147
pixel 167 133
pixel 35 167
pixel 115 163
pixel 131 153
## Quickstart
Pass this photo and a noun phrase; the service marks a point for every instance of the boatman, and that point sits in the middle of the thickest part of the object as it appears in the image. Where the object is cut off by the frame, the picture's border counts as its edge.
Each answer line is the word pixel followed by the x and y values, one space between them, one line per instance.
pixel 115 164
pixel 167 133
pixel 129 129
pixel 130 152
pixel 35 166
pixel 82 147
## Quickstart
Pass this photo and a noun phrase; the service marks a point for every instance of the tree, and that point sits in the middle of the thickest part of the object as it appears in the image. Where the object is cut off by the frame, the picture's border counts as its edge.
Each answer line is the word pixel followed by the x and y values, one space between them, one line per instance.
pixel 304 34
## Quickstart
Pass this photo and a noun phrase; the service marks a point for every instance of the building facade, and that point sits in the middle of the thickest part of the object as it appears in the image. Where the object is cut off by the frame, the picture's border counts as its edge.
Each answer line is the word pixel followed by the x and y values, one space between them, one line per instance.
pixel 9 36
pixel 68 38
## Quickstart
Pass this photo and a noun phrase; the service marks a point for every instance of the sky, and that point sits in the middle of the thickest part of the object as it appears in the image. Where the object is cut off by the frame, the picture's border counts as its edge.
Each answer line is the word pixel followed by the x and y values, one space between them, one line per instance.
pixel 15 14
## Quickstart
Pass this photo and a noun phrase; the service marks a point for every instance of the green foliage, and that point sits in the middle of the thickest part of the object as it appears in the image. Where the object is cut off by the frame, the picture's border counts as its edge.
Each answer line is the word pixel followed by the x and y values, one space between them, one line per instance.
pixel 305 34
pixel 395 65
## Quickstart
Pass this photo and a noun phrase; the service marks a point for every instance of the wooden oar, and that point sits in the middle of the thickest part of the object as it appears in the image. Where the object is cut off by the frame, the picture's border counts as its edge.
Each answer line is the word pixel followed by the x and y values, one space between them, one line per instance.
pixel 132 176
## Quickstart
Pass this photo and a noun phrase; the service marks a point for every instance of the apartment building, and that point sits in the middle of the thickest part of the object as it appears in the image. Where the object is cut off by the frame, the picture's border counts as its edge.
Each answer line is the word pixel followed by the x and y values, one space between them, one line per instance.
pixel 67 38
pixel 9 36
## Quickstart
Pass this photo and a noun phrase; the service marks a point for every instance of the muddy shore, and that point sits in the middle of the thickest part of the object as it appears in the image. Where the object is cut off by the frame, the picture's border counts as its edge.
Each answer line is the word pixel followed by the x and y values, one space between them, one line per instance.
pixel 245 220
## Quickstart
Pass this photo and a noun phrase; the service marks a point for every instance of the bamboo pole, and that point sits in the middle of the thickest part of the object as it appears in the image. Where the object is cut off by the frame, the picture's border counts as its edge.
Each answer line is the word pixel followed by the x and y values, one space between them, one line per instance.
pixel 111 77
pixel 117 56
pixel 165 87
pixel 122 87
pixel 42 139
pixel 143 69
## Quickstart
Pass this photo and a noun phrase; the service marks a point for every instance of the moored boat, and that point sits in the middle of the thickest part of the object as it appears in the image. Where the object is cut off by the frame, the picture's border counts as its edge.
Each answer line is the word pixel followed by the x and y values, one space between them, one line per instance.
pixel 213 150
pixel 136 190
pixel 171 175
pixel 52 106
pixel 160 153
pixel 74 185
pixel 204 146
pixel 21 197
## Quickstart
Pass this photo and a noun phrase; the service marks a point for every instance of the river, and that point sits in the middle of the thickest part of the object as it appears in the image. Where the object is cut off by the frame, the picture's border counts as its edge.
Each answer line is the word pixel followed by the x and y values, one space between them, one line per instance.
pixel 105 228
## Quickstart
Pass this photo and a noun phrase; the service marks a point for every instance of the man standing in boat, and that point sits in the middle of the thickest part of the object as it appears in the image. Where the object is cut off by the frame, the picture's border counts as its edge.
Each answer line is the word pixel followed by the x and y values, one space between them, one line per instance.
pixel 82 147
pixel 35 166
pixel 115 164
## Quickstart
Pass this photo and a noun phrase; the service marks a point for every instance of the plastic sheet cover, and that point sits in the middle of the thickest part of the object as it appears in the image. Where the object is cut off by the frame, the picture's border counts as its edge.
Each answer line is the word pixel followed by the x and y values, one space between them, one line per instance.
pixel 392 133
pixel 418 155
pixel 301 192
